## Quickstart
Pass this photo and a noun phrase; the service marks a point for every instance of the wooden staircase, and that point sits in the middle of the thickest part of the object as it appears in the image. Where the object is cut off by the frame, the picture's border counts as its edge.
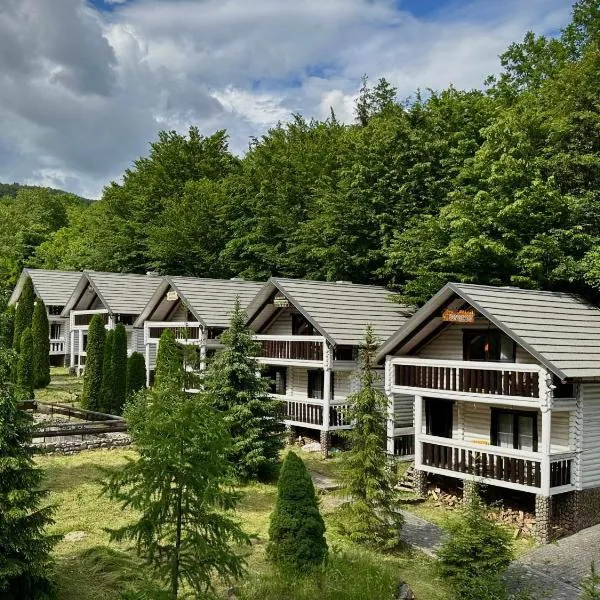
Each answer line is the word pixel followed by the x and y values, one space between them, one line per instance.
pixel 407 482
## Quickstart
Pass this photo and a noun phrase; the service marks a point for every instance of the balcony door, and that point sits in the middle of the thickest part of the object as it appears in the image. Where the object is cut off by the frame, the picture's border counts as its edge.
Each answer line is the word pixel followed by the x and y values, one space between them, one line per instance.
pixel 438 417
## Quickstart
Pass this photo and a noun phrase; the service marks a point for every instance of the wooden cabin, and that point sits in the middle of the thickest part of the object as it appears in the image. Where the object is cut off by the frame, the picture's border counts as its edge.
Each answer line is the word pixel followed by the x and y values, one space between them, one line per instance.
pixel 54 288
pixel 197 310
pixel 504 385
pixel 310 332
pixel 118 297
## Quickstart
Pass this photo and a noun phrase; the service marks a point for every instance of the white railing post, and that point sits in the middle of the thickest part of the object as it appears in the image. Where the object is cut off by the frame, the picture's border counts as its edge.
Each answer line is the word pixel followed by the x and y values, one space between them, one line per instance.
pixel 111 322
pixel 72 349
pixel 327 366
pixel 203 339
pixel 79 350
pixel 388 379
pixel 147 348
pixel 418 431
pixel 546 401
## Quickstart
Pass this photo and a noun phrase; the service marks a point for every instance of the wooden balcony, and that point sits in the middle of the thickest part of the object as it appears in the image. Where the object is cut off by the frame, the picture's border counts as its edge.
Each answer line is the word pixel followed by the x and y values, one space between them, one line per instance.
pixel 515 469
pixel 466 378
pixel 308 413
pixel 80 319
pixel 185 332
pixel 305 349
pixel 57 346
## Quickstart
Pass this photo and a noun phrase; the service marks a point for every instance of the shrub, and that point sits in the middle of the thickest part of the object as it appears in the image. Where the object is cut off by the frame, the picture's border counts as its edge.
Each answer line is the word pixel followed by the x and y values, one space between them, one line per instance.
pixel 119 367
pixel 476 554
pixel 92 376
pixel 7 328
pixel 24 313
pixel 40 330
pixel 25 366
pixel 136 373
pixel 591 585
pixel 169 360
pixel 297 530
pixel 106 393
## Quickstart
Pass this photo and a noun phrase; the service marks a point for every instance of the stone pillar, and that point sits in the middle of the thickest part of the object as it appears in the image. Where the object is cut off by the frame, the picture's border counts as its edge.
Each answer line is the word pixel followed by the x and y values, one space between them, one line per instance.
pixel 420 483
pixel 470 489
pixel 290 435
pixel 325 443
pixel 543 519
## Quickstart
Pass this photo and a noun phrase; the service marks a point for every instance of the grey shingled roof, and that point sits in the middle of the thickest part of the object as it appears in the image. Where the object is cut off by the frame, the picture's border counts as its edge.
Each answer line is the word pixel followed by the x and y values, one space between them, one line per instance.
pixel 340 311
pixel 561 330
pixel 212 300
pixel 53 287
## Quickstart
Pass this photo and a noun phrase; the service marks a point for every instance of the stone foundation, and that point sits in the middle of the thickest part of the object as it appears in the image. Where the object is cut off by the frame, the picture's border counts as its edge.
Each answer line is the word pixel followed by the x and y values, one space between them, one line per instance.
pixel 73 447
pixel 470 489
pixel 588 507
pixel 420 483
pixel 325 441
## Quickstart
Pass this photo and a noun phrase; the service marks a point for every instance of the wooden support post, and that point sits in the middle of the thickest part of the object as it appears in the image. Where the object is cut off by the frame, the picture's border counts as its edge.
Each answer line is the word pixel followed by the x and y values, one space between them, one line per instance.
pixel 388 379
pixel 546 402
pixel 72 349
pixel 418 431
pixel 327 366
pixel 79 351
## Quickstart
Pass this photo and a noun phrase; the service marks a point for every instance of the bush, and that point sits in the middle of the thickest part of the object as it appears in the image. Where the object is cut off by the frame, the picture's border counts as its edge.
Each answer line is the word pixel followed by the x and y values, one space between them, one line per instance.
pixel 25 366
pixel 106 393
pixel 119 367
pixel 136 373
pixel 7 328
pixel 476 554
pixel 24 313
pixel 297 530
pixel 169 360
pixel 40 330
pixel 92 376
pixel 591 585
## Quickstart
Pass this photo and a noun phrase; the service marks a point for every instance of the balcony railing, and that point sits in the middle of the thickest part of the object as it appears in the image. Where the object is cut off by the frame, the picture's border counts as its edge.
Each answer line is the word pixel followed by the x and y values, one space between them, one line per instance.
pixel 297 348
pixel 81 318
pixel 501 379
pixel 520 468
pixel 57 346
pixel 309 413
pixel 184 331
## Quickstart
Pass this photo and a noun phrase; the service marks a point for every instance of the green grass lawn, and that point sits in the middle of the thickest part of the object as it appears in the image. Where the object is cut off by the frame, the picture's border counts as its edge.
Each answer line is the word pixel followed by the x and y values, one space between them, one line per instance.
pixel 63 387
pixel 89 567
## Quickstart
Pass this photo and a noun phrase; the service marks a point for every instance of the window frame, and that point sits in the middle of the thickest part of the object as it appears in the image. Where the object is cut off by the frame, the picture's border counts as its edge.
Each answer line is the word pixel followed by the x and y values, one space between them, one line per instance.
pixel 469 334
pixel 496 412
pixel 320 373
pixel 270 373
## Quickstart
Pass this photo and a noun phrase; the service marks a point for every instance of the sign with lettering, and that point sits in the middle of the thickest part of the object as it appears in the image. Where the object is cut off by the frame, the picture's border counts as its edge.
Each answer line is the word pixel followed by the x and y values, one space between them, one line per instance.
pixel 458 316
pixel 280 301
pixel 172 296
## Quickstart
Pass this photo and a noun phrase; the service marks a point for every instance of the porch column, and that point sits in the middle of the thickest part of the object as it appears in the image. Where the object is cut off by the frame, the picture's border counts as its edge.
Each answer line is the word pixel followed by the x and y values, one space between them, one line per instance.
pixel 203 338
pixel 388 379
pixel 545 450
pixel 72 349
pixel 327 366
pixel 418 431
pixel 111 322
pixel 147 348
pixel 79 351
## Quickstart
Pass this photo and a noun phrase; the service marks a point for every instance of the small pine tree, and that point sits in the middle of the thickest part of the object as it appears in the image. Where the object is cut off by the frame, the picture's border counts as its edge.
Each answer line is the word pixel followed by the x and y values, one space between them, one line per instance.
pixel 92 376
pixel 136 373
pixel 106 391
pixel 119 367
pixel 169 360
pixel 591 585
pixel 254 417
pixel 41 345
pixel 371 518
pixel 297 530
pixel 7 328
pixel 24 546
pixel 24 313
pixel 25 366
pixel 179 487
pixel 476 554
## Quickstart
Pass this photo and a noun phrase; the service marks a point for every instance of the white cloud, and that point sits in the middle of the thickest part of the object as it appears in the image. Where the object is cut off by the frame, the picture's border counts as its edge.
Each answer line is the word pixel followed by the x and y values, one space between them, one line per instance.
pixel 83 92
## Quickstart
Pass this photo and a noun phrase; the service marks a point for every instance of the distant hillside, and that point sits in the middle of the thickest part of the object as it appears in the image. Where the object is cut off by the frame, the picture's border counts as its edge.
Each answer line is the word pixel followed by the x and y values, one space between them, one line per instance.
pixel 11 189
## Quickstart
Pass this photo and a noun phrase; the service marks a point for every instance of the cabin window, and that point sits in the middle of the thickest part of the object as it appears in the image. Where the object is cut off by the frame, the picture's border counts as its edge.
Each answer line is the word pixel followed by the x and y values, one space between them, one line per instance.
pixel 124 319
pixel 344 353
pixel 55 310
pixel 316 384
pixel 563 390
pixel 213 333
pixel 488 345
pixel 514 429
pixel 439 417
pixel 300 326
pixel 277 377
pixel 85 341
pixel 54 331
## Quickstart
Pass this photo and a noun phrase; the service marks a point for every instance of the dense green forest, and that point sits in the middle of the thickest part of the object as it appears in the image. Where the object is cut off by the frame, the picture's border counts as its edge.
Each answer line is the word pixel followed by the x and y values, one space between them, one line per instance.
pixel 499 186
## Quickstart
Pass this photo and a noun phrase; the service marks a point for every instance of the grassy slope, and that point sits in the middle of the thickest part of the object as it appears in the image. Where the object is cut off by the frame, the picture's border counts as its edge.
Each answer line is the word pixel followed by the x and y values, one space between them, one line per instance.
pixel 91 568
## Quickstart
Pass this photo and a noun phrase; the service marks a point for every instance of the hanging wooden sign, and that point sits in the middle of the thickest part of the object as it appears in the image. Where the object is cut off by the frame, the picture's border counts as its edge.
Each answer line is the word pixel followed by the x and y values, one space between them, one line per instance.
pixel 458 316
pixel 280 301
pixel 172 296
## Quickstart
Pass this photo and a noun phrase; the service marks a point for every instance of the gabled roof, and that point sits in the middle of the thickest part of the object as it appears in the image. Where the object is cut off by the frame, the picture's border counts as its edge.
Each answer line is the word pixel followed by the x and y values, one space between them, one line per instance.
pixel 125 293
pixel 562 331
pixel 211 301
pixel 53 287
pixel 340 311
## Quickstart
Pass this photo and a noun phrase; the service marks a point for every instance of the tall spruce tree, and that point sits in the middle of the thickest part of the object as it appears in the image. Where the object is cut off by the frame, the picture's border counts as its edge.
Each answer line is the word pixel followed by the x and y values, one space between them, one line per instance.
pixel 136 373
pixel 7 327
pixel 40 330
pixel 106 391
pixel 179 487
pixel 24 546
pixel 24 314
pixel 370 518
pixel 92 376
pixel 254 417
pixel 297 530
pixel 25 377
pixel 169 359
pixel 119 368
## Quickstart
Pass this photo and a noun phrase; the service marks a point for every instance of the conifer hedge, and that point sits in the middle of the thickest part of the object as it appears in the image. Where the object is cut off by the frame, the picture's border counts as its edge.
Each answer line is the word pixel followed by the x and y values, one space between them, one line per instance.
pixel 24 313
pixel 106 393
pixel 92 377
pixel 119 368
pixel 25 366
pixel 136 373
pixel 297 530
pixel 168 360
pixel 40 330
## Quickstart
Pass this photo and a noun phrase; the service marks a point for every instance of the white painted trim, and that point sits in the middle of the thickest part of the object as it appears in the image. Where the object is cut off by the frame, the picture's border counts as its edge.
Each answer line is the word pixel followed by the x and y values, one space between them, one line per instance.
pixel 468 364
pixel 289 338
pixel 532 402
pixel 289 362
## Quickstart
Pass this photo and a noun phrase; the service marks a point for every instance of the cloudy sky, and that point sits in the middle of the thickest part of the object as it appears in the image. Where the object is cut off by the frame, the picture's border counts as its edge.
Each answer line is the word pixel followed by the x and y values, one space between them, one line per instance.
pixel 86 84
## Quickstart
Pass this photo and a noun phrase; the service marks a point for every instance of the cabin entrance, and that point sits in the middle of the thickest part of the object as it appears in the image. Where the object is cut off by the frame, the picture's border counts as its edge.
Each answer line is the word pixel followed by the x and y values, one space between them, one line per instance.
pixel 438 417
